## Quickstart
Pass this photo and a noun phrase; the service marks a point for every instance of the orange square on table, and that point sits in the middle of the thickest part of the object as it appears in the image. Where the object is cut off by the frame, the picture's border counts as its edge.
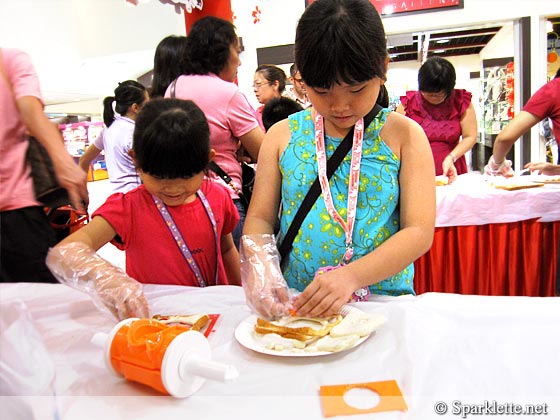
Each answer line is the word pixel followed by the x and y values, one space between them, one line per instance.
pixel 390 398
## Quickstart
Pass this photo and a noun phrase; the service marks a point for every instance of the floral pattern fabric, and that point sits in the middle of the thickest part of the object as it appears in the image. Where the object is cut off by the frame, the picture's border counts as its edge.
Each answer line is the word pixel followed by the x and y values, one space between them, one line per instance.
pixel 320 241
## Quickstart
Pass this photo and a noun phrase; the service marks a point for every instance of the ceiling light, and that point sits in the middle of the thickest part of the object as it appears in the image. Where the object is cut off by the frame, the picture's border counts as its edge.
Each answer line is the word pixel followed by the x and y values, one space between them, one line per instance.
pixel 442 41
pixel 439 51
pixel 549 26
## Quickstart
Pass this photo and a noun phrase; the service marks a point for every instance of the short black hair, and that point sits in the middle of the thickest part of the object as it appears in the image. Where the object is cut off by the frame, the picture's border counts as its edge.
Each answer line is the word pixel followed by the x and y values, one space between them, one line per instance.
pixel 340 41
pixel 208 45
pixel 435 75
pixel 171 139
pixel 127 93
pixel 273 74
pixel 278 109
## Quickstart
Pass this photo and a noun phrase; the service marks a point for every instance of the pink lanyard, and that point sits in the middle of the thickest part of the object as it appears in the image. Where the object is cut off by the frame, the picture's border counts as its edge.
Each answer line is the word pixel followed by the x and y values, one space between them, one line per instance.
pixel 353 184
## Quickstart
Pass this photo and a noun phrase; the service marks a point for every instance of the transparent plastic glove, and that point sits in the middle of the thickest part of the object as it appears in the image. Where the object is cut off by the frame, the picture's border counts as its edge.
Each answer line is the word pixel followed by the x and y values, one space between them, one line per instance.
pixel 265 289
pixel 78 266
pixel 503 169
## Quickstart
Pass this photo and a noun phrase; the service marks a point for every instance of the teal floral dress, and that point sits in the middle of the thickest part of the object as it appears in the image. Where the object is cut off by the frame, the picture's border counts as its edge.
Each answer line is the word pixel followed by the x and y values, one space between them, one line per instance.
pixel 320 241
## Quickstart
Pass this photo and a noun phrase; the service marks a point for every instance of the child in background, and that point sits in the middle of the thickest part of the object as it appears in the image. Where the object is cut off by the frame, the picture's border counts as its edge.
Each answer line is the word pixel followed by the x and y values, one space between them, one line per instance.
pixel 175 228
pixel 376 214
pixel 116 138
pixel 278 109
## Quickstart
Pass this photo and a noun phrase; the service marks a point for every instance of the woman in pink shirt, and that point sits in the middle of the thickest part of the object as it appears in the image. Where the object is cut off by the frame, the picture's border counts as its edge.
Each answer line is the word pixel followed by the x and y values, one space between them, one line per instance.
pixel 26 232
pixel 212 61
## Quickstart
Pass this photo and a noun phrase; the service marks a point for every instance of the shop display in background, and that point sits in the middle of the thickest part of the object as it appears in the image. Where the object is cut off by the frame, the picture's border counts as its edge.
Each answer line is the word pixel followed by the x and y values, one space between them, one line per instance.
pixel 497 106
pixel 77 137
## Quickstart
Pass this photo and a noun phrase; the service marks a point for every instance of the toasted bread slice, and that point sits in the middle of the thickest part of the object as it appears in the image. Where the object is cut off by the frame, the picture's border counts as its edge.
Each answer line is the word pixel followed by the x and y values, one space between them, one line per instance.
pixel 312 327
pixel 196 321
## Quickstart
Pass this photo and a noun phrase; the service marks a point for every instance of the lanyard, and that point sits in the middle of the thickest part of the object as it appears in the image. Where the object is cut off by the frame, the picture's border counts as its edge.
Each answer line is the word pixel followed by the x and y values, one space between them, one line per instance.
pixel 170 223
pixel 353 184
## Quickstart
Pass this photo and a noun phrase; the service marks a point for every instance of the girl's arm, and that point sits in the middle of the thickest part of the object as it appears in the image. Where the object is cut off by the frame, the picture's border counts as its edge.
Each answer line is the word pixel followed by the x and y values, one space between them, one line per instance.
pixel 75 263
pixel 89 155
pixel 329 291
pixel 265 288
pixel 230 257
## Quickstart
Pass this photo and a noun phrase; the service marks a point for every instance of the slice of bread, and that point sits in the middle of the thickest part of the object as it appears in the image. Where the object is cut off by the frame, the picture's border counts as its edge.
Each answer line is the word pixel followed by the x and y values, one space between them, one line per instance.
pixel 298 328
pixel 196 322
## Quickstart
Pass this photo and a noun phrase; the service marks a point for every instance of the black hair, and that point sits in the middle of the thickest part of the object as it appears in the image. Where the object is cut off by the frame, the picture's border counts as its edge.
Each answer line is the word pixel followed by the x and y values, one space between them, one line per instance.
pixel 383 97
pixel 127 93
pixel 169 63
pixel 273 74
pixel 435 75
pixel 171 139
pixel 293 70
pixel 208 45
pixel 340 41
pixel 278 109
pixel 557 73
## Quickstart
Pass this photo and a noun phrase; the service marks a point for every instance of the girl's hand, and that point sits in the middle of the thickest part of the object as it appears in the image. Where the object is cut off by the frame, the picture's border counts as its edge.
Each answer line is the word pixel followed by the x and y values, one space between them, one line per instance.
pixel 326 294
pixel 543 168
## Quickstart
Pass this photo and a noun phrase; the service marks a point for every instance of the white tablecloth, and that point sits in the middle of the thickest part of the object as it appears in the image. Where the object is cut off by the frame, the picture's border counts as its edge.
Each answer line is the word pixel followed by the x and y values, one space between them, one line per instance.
pixel 472 200
pixel 438 347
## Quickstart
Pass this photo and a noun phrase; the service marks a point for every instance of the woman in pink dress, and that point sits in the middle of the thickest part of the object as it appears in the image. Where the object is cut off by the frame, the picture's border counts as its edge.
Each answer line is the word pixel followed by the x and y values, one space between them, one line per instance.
pixel 446 114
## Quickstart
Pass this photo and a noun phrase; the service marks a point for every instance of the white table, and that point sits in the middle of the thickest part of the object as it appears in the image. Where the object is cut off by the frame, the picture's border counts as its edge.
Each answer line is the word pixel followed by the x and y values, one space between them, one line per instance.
pixel 438 347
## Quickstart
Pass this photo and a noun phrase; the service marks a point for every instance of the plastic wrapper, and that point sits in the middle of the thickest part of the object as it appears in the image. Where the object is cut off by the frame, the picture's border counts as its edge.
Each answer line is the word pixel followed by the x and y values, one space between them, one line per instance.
pixel 494 169
pixel 265 288
pixel 78 266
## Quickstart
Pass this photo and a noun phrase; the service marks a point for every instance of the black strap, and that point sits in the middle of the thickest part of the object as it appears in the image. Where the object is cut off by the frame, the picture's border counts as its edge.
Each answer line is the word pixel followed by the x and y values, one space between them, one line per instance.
pixel 315 190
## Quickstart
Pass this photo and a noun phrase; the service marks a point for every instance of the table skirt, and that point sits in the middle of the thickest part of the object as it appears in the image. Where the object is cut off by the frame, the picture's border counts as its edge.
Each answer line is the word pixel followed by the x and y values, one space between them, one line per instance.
pixel 509 259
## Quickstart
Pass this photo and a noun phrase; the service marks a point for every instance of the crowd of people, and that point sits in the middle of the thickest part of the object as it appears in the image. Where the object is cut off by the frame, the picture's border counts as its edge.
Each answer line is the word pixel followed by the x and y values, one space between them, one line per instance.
pixel 180 223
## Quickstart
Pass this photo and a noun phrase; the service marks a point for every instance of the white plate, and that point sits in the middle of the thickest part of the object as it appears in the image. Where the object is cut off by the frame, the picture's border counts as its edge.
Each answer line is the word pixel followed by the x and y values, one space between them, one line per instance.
pixel 244 333
pixel 546 179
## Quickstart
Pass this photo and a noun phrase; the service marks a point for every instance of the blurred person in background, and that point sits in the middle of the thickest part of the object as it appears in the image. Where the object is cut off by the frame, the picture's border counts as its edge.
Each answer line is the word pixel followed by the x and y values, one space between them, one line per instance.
pixel 269 82
pixel 26 234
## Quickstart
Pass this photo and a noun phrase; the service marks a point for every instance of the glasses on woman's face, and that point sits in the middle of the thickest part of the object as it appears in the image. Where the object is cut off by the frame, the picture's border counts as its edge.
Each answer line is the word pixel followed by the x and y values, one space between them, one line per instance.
pixel 434 95
pixel 258 85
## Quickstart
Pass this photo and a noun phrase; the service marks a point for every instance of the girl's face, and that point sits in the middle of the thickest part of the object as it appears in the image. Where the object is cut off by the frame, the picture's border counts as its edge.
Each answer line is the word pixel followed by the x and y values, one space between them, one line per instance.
pixel 229 72
pixel 173 192
pixel 264 90
pixel 343 105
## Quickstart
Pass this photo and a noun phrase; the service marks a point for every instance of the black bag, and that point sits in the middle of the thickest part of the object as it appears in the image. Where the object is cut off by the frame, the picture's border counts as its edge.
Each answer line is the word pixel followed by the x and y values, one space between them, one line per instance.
pixel 248 178
pixel 47 189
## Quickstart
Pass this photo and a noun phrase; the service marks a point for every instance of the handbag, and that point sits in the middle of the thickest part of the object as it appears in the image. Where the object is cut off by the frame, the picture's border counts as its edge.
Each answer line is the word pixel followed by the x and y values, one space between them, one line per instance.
pixel 313 193
pixel 248 177
pixel 65 220
pixel 47 189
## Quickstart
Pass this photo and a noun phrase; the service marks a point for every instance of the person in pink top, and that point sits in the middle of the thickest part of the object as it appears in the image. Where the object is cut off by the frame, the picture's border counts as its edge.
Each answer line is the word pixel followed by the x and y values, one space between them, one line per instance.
pixel 212 62
pixel 545 103
pixel 26 232
pixel 446 114
pixel 175 228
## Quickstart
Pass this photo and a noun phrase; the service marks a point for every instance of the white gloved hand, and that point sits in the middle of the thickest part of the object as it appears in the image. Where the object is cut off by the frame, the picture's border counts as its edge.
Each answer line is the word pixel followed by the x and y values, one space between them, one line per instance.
pixel 80 267
pixel 265 288
pixel 503 168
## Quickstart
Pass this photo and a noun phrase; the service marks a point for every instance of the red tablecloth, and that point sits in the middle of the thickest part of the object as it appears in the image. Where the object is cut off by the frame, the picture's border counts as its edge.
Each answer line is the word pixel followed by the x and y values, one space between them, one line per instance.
pixel 517 258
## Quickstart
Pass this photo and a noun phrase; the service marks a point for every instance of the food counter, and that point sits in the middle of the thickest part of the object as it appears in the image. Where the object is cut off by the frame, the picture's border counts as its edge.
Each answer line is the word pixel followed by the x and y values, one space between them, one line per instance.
pixel 490 241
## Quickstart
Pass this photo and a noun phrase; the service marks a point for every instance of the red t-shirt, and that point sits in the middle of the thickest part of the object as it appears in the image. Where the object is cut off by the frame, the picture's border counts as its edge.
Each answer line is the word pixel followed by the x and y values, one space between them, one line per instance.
pixel 152 255
pixel 546 103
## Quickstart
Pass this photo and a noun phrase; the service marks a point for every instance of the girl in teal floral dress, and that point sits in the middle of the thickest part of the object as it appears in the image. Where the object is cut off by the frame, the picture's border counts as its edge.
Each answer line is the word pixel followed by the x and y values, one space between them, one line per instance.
pixel 376 214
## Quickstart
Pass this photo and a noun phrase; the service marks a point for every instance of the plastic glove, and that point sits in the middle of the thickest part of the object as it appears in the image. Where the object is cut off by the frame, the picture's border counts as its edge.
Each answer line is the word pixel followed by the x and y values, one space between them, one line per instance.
pixel 503 169
pixel 265 289
pixel 78 266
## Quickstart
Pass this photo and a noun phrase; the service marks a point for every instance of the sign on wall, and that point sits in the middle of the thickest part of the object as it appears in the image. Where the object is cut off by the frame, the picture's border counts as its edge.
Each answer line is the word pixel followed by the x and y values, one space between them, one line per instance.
pixel 391 7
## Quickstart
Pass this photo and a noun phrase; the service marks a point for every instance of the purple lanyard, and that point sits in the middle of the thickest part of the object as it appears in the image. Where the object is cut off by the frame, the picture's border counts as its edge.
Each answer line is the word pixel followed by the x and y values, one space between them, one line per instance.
pixel 181 242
